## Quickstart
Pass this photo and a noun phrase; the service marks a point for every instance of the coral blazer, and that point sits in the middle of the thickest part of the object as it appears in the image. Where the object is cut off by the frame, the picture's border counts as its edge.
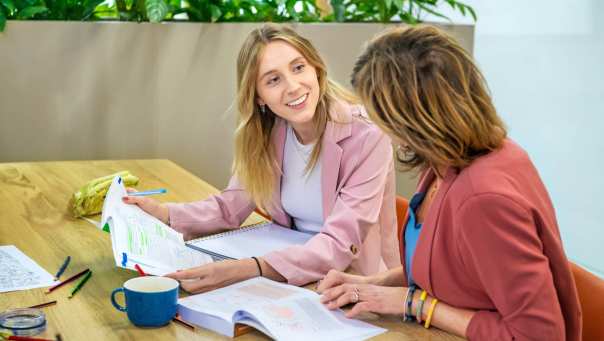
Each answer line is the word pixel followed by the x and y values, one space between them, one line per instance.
pixel 490 242
pixel 358 189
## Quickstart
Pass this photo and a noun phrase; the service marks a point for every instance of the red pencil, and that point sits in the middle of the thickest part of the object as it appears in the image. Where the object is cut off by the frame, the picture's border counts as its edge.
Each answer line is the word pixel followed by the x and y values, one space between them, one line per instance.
pixel 140 270
pixel 42 305
pixel 26 338
pixel 67 280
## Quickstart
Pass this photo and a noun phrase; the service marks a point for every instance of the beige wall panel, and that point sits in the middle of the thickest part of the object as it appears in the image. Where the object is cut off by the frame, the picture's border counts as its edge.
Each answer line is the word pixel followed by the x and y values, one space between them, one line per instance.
pixel 73 91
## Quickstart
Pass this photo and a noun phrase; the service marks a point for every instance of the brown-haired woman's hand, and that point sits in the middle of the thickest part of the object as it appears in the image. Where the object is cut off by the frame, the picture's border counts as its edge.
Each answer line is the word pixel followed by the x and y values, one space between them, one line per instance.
pixel 149 205
pixel 366 298
pixel 335 278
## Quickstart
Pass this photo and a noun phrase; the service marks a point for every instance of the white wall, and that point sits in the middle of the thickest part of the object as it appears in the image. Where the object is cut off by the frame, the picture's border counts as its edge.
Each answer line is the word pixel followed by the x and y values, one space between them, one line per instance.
pixel 544 61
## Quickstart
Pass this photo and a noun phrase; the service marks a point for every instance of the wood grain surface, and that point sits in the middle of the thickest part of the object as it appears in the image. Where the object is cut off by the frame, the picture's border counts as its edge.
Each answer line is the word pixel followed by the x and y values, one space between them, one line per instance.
pixel 34 216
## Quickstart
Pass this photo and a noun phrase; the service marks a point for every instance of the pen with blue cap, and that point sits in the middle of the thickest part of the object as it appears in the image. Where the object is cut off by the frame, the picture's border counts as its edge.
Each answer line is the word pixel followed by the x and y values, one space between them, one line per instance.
pixel 149 192
pixel 63 267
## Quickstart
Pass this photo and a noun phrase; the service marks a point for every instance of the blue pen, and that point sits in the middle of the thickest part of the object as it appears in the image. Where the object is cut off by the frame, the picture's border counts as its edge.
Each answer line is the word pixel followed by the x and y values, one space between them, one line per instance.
pixel 149 192
pixel 63 267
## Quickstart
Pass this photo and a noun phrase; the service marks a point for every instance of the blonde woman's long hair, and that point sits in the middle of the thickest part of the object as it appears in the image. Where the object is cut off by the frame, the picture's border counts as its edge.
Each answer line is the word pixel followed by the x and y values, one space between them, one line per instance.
pixel 423 89
pixel 255 164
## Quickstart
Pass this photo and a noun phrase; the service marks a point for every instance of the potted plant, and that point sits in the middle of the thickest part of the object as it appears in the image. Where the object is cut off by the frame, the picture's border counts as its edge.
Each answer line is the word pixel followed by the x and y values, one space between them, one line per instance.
pixel 102 82
pixel 407 11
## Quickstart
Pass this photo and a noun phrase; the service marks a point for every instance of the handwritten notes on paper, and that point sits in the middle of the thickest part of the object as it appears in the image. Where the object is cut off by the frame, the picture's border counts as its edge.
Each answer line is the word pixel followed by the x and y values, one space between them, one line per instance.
pixel 139 238
pixel 19 272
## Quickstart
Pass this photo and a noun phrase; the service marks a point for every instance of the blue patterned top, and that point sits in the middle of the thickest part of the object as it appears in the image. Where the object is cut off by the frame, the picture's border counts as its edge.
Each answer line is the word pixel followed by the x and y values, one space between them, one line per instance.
pixel 412 231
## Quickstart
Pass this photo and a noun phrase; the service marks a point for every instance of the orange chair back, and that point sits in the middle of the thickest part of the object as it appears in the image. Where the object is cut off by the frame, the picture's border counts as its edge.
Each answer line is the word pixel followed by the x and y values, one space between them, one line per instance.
pixel 591 296
pixel 402 205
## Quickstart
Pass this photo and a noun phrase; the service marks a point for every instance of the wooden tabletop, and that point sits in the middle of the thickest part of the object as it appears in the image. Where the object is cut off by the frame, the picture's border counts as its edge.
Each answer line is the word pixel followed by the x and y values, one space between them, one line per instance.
pixel 34 216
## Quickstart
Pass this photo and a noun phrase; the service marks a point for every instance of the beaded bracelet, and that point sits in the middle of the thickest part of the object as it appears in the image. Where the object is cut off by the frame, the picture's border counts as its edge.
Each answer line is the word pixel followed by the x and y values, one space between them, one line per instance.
pixel 430 313
pixel 420 306
pixel 405 304
pixel 409 303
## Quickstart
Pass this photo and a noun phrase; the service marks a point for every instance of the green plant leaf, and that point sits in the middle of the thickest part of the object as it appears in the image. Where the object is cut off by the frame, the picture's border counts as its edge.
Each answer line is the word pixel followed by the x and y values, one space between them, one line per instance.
pixel 89 8
pixel 472 12
pixel 30 12
pixel 462 10
pixel 156 10
pixel 387 3
pixel 2 20
pixel 10 6
pixel 215 12
pixel 105 11
pixel 338 9
pixel 432 11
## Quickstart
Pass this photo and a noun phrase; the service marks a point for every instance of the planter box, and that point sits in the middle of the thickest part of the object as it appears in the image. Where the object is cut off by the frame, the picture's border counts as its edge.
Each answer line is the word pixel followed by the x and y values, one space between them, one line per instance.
pixel 112 90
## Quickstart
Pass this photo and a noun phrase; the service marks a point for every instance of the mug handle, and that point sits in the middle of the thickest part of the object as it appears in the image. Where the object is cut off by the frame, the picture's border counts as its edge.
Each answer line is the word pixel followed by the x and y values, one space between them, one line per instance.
pixel 114 302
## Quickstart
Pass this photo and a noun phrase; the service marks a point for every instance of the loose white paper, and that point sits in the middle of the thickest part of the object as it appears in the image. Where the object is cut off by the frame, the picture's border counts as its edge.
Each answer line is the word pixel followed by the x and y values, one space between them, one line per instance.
pixel 19 272
pixel 139 238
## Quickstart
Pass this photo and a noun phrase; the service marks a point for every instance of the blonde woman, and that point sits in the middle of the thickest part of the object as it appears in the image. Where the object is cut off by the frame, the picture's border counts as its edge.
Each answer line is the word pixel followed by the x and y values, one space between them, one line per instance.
pixel 481 251
pixel 304 154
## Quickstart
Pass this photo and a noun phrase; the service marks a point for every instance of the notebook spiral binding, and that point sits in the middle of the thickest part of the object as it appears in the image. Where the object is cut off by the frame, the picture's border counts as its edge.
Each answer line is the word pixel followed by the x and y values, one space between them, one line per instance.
pixel 228 233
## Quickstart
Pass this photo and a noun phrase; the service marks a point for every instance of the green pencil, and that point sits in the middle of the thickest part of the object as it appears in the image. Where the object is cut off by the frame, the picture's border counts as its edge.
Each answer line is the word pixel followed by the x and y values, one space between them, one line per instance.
pixel 80 284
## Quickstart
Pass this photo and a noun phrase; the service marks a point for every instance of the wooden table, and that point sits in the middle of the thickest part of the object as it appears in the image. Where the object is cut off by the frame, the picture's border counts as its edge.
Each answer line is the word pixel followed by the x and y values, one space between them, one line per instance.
pixel 34 216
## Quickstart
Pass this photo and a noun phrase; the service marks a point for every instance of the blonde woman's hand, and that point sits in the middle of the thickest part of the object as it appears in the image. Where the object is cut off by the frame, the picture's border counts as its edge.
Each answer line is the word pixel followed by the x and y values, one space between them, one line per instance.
pixel 215 275
pixel 335 278
pixel 149 205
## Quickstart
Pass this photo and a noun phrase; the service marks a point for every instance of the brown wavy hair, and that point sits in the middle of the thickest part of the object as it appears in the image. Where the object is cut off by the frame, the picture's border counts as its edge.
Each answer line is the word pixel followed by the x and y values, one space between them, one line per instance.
pixel 255 164
pixel 423 89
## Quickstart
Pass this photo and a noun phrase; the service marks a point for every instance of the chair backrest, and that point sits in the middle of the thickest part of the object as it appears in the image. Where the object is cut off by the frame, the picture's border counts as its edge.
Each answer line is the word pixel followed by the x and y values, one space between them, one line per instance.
pixel 591 296
pixel 402 205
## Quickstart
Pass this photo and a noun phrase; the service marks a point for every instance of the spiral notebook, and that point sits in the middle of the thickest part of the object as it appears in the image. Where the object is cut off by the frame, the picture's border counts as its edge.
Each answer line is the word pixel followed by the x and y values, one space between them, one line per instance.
pixel 255 240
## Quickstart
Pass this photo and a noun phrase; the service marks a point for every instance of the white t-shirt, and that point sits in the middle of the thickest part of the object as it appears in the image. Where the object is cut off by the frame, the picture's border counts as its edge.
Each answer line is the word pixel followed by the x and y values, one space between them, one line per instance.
pixel 301 194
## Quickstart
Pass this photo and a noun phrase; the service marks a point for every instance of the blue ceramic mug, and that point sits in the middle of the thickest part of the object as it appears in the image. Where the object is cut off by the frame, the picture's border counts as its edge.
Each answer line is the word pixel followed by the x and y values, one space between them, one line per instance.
pixel 150 301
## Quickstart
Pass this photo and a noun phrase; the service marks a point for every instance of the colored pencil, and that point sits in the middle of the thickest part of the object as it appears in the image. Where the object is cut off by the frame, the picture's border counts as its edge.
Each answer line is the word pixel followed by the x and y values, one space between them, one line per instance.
pixel 80 284
pixel 67 281
pixel 26 338
pixel 178 320
pixel 62 268
pixel 42 305
pixel 149 192
pixel 140 270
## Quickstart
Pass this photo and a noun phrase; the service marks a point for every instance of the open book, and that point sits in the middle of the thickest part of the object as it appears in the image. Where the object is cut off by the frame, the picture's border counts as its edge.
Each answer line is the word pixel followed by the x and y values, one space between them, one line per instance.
pixel 281 311
pixel 255 240
pixel 139 238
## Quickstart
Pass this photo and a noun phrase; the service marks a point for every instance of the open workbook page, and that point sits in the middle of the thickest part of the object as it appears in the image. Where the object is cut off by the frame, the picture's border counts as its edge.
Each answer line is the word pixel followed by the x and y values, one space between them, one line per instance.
pixel 283 312
pixel 139 238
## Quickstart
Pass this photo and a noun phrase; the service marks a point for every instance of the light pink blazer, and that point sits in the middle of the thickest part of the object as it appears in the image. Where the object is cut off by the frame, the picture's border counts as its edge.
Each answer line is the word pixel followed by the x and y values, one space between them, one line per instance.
pixel 358 189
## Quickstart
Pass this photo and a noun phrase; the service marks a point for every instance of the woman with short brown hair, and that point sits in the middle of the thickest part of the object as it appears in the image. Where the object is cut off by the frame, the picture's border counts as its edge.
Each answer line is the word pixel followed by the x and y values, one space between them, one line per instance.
pixel 481 251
